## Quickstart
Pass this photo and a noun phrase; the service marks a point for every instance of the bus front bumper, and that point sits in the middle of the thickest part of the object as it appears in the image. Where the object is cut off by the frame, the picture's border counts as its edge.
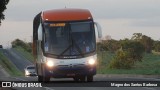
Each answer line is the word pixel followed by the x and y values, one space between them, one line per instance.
pixel 70 71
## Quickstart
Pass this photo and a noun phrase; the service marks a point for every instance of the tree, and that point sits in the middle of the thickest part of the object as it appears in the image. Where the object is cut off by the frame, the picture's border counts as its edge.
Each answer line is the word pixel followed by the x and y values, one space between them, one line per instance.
pixel 3 4
pixel 109 45
pixel 112 45
pixel 156 46
pixel 147 42
pixel 17 42
pixel 121 60
pixel 20 43
pixel 130 52
pixel 137 36
pixel 101 46
pixel 135 49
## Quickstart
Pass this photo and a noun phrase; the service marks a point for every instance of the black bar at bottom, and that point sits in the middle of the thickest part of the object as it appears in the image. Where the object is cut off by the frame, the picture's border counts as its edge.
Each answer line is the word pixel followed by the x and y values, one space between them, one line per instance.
pixel 80 84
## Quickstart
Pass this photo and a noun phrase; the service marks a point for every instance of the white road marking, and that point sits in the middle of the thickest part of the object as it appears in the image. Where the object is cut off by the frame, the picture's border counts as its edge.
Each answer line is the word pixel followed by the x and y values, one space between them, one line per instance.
pixel 149 88
pixel 47 88
pixel 19 79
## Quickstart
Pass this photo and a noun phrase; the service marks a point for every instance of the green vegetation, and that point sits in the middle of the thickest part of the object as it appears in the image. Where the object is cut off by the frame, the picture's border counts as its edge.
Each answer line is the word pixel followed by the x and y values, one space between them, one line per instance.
pixel 138 55
pixel 24 45
pixel 156 46
pixel 128 55
pixel 128 52
pixel 25 53
pixel 129 58
pixel 23 48
pixel 9 66
pixel 3 4
pixel 149 65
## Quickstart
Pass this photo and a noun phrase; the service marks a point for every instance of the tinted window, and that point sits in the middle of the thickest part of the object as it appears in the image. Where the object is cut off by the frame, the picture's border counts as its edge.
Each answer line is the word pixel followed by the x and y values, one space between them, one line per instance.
pixel 65 39
pixel 30 67
pixel 1 46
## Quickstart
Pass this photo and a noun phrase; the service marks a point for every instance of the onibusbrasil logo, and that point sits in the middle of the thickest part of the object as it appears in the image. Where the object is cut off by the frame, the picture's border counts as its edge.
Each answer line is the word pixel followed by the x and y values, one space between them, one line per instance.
pixel 21 84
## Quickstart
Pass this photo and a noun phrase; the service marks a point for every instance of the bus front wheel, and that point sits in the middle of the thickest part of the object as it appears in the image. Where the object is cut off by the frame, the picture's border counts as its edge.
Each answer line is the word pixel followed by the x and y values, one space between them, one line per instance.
pixel 40 78
pixel 43 79
pixel 82 78
pixel 90 78
pixel 76 79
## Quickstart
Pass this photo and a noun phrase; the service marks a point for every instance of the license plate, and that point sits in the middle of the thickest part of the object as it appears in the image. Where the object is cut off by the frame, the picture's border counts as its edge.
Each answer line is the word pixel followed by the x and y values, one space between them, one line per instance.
pixel 71 74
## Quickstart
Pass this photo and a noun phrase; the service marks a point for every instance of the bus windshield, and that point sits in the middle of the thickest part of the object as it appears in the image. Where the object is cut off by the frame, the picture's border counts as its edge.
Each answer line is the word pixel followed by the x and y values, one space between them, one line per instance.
pixel 69 39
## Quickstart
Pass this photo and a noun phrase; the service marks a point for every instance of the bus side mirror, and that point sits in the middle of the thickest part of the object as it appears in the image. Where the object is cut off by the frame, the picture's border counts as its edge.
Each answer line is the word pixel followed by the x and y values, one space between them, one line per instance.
pixel 40 32
pixel 98 29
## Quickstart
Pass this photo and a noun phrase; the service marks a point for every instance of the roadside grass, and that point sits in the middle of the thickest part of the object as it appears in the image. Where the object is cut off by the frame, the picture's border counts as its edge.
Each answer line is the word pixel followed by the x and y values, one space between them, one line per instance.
pixel 150 65
pixel 26 54
pixel 9 66
pixel 154 52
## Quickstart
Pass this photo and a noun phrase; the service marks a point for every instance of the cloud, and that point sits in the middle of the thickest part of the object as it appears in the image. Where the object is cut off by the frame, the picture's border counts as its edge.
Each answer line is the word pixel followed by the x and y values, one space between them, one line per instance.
pixel 22 10
pixel 124 28
pixel 118 18
pixel 11 30
pixel 147 22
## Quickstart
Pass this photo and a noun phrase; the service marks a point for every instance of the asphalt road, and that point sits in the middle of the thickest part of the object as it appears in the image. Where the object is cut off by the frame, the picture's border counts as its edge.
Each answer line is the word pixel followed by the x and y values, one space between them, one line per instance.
pixel 68 84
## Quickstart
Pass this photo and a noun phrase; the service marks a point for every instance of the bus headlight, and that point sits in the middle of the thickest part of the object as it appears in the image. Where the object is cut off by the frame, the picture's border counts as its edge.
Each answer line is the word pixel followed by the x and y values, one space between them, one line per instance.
pixel 91 61
pixel 50 63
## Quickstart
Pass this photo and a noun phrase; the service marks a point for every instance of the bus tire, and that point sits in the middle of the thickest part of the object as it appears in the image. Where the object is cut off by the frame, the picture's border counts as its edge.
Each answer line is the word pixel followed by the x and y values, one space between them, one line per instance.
pixel 46 79
pixel 40 78
pixel 90 78
pixel 82 78
pixel 76 79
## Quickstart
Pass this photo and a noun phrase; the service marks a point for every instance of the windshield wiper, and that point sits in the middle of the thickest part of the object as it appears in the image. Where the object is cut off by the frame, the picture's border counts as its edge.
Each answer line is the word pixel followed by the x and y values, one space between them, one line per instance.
pixel 78 48
pixel 72 45
pixel 66 50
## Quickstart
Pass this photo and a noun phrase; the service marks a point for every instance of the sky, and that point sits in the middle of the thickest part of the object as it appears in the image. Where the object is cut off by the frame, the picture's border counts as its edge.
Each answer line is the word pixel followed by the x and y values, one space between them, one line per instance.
pixel 118 18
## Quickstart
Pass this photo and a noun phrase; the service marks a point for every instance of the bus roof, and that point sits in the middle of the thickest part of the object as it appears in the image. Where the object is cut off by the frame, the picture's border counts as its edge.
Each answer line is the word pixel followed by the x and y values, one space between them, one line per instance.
pixel 66 14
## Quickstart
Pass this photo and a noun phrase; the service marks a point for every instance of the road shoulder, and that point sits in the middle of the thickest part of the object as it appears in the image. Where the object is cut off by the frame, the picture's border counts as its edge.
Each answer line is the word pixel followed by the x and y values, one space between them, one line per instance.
pixel 127 76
